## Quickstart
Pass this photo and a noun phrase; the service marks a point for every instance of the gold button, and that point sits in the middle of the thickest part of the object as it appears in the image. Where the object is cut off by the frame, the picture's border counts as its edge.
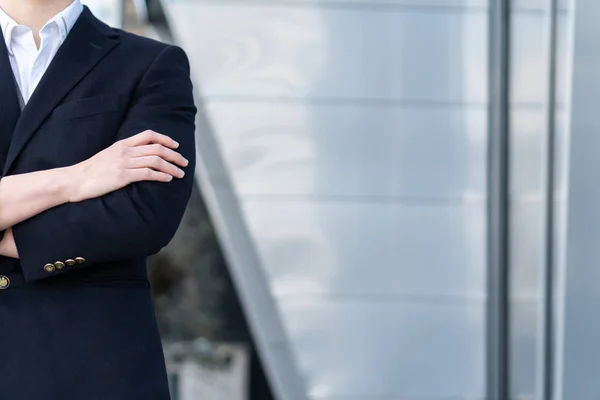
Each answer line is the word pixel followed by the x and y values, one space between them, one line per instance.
pixel 70 262
pixel 59 265
pixel 79 260
pixel 49 268
pixel 4 282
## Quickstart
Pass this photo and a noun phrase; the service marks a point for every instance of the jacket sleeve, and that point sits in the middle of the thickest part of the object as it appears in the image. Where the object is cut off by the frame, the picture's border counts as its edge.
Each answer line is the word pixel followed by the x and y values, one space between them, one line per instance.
pixel 137 220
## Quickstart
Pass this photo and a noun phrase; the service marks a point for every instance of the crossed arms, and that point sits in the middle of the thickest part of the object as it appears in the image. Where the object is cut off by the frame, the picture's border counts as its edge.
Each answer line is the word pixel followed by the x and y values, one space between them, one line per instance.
pixel 125 201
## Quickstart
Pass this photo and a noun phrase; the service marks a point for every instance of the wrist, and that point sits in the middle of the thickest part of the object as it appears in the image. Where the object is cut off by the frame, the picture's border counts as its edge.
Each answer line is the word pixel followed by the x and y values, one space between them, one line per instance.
pixel 65 183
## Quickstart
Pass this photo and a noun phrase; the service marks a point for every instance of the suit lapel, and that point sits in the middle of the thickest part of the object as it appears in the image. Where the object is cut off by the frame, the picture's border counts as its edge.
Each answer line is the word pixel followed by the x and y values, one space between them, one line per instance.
pixel 88 42
pixel 9 103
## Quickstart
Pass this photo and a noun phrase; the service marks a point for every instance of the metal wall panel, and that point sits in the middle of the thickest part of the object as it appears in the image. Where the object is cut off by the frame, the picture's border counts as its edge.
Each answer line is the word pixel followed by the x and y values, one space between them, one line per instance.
pixel 530 58
pixel 396 350
pixel 528 133
pixel 370 150
pixel 365 249
pixel 352 138
pixel 578 353
pixel 280 51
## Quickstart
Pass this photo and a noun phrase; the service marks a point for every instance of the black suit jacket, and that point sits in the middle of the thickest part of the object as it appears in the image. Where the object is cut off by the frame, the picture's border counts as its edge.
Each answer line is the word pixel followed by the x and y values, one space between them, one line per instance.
pixel 77 317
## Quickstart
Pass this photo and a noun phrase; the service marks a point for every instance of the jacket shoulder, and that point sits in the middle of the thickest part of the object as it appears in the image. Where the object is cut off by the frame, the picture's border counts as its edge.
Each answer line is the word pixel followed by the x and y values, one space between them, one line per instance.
pixel 140 46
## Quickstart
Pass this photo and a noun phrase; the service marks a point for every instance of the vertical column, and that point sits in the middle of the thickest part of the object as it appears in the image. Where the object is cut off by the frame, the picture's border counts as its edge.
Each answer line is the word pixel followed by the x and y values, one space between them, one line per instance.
pixel 538 139
pixel 546 385
pixel 498 181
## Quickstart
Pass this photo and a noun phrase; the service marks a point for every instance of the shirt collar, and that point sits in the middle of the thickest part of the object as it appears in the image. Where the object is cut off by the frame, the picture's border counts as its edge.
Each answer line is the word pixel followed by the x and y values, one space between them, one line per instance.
pixel 64 20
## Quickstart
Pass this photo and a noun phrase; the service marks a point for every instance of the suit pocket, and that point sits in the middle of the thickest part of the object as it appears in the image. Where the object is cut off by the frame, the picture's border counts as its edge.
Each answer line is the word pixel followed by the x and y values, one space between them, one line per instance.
pixel 88 107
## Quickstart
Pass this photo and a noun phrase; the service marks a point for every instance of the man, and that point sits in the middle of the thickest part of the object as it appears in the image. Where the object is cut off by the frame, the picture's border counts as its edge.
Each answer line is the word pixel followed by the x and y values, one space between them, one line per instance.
pixel 96 161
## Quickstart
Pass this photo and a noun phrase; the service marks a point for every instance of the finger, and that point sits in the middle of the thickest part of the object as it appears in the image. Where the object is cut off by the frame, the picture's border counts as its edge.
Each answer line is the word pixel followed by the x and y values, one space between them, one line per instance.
pixel 159 150
pixel 150 136
pixel 148 174
pixel 156 163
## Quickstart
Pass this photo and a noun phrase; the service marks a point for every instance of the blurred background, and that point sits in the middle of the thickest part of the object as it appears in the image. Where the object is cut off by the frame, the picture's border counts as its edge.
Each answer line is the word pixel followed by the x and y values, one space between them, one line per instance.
pixel 395 200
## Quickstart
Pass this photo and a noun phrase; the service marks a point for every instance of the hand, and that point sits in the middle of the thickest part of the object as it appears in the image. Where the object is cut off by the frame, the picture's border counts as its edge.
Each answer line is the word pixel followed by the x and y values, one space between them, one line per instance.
pixel 147 156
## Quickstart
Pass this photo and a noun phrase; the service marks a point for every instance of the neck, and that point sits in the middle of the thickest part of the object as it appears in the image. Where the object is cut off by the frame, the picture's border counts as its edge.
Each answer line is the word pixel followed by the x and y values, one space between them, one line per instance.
pixel 33 13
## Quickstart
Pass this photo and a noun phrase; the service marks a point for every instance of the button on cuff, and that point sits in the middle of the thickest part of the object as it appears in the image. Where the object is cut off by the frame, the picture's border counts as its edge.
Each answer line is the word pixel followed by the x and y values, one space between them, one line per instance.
pixel 4 282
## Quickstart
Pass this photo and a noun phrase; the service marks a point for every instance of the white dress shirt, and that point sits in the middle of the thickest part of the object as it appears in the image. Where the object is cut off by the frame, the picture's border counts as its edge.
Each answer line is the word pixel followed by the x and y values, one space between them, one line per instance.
pixel 27 61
